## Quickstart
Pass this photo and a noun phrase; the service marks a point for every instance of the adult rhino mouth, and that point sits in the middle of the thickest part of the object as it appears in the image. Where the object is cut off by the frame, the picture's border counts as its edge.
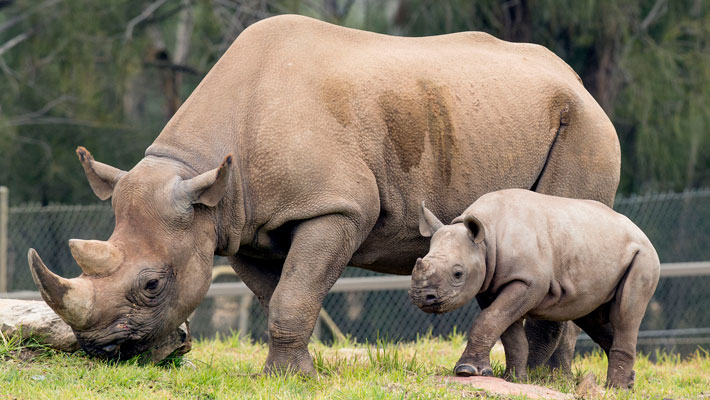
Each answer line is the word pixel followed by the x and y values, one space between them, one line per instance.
pixel 121 348
pixel 124 346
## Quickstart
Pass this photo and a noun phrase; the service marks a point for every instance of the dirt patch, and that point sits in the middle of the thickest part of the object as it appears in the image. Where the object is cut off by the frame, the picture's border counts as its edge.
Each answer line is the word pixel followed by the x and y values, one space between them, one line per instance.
pixel 502 387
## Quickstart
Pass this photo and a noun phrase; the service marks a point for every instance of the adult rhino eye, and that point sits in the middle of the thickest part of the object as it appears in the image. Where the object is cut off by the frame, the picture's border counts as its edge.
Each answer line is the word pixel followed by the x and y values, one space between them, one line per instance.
pixel 151 285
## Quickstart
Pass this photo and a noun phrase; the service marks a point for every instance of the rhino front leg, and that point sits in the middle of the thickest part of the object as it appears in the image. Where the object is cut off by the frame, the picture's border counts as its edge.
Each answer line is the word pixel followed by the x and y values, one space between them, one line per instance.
pixel 319 252
pixel 260 276
pixel 551 343
pixel 543 338
pixel 511 303
pixel 515 345
pixel 561 359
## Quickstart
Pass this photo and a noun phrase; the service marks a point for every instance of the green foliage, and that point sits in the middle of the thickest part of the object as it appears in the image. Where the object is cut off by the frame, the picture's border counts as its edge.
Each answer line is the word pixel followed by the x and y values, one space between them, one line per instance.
pixel 108 75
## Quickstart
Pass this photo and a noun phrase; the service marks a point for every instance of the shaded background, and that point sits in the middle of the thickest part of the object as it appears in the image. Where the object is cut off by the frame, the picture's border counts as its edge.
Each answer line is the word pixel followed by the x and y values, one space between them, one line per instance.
pixel 109 74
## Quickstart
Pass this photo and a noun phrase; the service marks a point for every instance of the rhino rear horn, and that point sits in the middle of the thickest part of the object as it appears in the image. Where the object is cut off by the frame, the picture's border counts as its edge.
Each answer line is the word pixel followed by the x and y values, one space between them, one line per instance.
pixel 71 299
pixel 428 223
pixel 95 257
pixel 210 187
pixel 102 177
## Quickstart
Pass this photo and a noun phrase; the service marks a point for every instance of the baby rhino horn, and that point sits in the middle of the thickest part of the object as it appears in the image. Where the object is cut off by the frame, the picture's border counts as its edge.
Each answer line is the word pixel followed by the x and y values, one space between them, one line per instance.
pixel 95 257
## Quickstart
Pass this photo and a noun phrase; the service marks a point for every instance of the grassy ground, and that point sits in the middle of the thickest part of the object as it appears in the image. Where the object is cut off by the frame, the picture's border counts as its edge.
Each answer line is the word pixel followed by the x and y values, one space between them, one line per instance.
pixel 229 368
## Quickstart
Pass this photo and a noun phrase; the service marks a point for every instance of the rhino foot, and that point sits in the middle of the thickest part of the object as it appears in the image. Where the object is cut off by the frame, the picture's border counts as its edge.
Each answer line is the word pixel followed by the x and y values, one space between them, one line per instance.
pixel 512 375
pixel 289 362
pixel 466 369
pixel 620 381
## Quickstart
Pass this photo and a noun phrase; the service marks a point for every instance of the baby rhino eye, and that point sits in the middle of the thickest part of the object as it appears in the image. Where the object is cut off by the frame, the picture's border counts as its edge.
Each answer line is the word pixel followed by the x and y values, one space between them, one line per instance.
pixel 458 274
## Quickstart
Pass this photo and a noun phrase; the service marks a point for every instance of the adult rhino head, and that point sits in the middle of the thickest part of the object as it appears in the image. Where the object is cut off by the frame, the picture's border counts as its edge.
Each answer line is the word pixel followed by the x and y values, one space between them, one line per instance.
pixel 143 282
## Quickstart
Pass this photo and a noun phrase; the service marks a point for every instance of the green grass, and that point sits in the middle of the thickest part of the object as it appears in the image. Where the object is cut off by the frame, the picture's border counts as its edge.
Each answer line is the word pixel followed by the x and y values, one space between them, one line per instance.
pixel 229 368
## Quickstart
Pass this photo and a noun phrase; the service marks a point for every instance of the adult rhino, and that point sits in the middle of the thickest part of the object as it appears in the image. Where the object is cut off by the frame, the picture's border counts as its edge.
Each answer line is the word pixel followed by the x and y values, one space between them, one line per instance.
pixel 309 147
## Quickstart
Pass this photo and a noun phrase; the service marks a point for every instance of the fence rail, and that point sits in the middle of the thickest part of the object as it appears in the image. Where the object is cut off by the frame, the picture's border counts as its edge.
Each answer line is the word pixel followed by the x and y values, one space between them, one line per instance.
pixel 377 283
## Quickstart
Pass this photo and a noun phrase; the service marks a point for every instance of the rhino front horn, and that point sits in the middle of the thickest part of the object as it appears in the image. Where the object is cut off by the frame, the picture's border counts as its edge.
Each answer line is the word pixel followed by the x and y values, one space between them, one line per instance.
pixel 71 299
pixel 95 257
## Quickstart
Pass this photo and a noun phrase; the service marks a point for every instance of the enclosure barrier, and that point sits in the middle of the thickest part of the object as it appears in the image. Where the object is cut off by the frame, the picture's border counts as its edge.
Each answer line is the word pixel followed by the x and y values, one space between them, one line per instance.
pixel 381 283
pixel 4 199
pixel 365 306
pixel 374 283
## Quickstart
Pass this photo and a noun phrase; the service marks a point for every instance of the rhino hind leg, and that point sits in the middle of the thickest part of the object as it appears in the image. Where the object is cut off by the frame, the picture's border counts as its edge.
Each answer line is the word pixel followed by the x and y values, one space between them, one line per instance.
pixel 626 312
pixel 319 252
pixel 597 325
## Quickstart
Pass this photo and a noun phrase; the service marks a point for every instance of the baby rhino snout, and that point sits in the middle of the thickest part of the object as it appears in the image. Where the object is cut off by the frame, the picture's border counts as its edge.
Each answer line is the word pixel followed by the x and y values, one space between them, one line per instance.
pixel 423 293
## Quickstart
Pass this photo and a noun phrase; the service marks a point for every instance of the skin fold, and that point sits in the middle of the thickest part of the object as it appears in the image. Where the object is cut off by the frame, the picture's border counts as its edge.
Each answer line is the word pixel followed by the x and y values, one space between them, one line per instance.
pixel 308 147
pixel 525 255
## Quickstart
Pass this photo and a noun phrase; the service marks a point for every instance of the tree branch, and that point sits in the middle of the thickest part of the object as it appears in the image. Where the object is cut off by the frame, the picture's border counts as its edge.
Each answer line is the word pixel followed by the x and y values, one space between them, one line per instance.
pixel 18 18
pixel 66 121
pixel 175 67
pixel 183 33
pixel 35 114
pixel 657 11
pixel 142 17
pixel 14 42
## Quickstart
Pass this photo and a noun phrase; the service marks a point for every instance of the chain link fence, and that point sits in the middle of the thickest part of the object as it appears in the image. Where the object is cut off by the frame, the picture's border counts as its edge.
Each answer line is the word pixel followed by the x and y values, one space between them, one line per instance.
pixel 677 319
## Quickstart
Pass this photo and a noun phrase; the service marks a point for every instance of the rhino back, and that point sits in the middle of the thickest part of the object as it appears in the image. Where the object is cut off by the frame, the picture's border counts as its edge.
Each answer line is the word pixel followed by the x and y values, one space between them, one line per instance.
pixel 311 109
pixel 581 246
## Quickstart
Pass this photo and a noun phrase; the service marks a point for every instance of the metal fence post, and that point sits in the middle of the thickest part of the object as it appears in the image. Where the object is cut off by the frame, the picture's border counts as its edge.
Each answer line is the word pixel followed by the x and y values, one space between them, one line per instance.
pixel 4 194
pixel 244 304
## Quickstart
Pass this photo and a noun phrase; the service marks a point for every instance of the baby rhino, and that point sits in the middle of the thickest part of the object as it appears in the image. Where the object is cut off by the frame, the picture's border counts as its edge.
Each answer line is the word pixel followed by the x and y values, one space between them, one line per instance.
pixel 524 254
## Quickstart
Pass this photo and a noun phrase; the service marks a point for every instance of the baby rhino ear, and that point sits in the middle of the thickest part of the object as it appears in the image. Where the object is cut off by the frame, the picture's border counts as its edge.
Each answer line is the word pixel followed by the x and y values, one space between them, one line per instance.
pixel 476 230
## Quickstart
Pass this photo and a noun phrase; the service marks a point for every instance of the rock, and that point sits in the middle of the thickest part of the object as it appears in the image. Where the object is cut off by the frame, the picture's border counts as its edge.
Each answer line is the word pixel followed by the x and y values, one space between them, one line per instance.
pixel 351 354
pixel 502 387
pixel 588 388
pixel 35 320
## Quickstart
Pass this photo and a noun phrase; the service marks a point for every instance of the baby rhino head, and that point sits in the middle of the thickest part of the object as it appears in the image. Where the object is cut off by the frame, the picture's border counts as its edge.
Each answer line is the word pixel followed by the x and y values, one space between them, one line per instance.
pixel 452 273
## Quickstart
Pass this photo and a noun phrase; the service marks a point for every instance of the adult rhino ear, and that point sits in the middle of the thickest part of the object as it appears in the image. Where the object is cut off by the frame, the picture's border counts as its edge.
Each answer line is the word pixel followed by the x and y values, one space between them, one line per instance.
pixel 210 187
pixel 476 230
pixel 102 178
pixel 428 223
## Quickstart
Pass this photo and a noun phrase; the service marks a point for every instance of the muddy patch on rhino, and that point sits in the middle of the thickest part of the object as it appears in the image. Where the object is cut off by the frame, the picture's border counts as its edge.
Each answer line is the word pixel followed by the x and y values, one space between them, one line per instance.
pixel 411 118
pixel 337 95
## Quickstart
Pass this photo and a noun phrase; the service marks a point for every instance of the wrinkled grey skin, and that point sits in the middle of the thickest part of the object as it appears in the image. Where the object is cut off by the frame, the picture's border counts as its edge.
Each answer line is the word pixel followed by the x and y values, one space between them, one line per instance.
pixel 523 255
pixel 308 147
